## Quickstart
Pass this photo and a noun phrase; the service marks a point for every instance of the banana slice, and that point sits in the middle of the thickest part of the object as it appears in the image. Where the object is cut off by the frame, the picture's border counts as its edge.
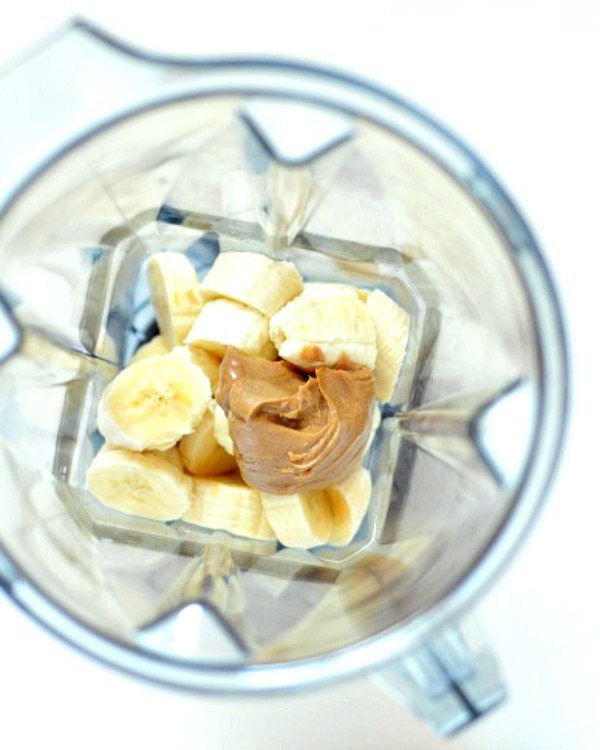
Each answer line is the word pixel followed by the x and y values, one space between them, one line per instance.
pixel 302 520
pixel 154 347
pixel 324 330
pixel 200 452
pixel 176 295
pixel 331 289
pixel 221 425
pixel 139 484
pixel 228 503
pixel 254 280
pixel 349 501
pixel 151 404
pixel 222 323
pixel 171 455
pixel 392 327
pixel 207 362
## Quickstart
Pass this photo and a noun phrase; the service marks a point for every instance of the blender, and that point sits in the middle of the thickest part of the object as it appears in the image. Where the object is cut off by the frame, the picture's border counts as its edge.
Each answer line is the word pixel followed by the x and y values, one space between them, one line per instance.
pixel 125 155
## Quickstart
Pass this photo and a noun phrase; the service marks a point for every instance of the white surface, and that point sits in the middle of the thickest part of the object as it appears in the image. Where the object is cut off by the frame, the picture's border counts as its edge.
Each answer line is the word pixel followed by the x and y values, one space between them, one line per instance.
pixel 518 80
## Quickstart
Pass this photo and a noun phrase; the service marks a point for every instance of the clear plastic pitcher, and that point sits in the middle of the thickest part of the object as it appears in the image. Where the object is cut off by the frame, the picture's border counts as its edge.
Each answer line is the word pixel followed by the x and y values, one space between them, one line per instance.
pixel 108 156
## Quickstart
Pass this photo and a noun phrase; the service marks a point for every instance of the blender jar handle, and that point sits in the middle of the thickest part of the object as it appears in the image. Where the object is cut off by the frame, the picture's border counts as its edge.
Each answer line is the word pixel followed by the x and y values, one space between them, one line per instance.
pixel 449 681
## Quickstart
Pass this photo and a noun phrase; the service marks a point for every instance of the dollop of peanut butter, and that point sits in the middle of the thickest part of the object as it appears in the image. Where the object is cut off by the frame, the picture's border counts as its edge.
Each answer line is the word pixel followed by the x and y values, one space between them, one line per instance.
pixel 293 431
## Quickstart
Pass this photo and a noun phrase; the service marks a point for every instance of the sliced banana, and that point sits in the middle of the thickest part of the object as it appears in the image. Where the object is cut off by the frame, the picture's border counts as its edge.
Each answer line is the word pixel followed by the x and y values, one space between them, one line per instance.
pixel 139 484
pixel 222 323
pixel 200 452
pixel 302 519
pixel 324 330
pixel 331 289
pixel 254 280
pixel 152 348
pixel 349 501
pixel 171 455
pixel 151 404
pixel 176 295
pixel 221 425
pixel 228 503
pixel 392 327
pixel 209 363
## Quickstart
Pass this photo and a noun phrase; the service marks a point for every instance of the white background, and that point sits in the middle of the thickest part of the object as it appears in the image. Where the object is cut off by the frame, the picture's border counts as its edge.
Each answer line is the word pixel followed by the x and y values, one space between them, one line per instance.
pixel 519 81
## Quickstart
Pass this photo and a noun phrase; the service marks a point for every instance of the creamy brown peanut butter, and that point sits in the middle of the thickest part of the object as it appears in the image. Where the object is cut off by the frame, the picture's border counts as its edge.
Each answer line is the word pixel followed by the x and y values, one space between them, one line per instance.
pixel 293 431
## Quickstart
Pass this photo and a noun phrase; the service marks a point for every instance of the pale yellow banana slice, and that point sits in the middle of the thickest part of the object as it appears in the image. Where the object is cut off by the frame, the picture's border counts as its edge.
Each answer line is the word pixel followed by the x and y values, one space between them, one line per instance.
pixel 228 503
pixel 221 426
pixel 392 327
pixel 209 363
pixel 222 323
pixel 139 484
pixel 349 501
pixel 154 347
pixel 176 295
pixel 254 280
pixel 302 519
pixel 321 289
pixel 171 455
pixel 151 404
pixel 324 330
pixel 200 452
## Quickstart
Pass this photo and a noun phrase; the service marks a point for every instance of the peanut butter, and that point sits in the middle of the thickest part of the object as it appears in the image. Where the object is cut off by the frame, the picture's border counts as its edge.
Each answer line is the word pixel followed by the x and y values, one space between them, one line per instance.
pixel 294 431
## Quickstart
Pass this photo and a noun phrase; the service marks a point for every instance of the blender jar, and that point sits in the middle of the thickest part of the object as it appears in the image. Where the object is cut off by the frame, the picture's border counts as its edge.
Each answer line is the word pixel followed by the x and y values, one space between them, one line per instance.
pixel 109 156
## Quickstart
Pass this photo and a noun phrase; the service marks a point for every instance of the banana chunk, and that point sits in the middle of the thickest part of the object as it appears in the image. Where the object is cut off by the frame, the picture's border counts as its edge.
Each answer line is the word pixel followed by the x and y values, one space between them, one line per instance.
pixel 392 328
pixel 303 519
pixel 331 289
pixel 176 295
pixel 221 425
pixel 151 404
pixel 311 331
pixel 152 348
pixel 228 503
pixel 222 323
pixel 171 455
pixel 139 484
pixel 349 501
pixel 200 452
pixel 254 280
pixel 207 362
